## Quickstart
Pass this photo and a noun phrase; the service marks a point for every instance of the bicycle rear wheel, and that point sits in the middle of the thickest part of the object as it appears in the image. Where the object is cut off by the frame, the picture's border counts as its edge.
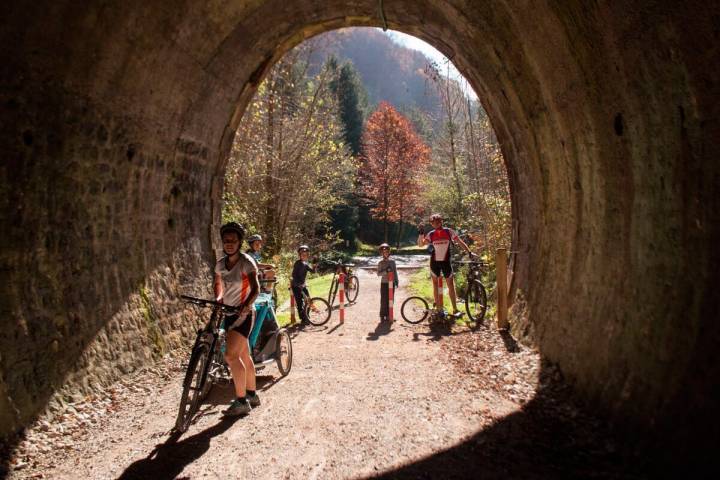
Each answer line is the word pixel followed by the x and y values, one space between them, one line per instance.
pixel 476 304
pixel 414 310
pixel 194 386
pixel 318 311
pixel 352 288
pixel 283 352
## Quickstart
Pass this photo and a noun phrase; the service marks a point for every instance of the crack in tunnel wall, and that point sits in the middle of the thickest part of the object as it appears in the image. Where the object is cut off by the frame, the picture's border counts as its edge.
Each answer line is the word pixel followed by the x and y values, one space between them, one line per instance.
pixel 118 120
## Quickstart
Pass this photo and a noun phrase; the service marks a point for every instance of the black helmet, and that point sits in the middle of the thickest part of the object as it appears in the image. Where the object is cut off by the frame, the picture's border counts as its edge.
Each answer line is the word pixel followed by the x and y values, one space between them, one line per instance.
pixel 233 227
pixel 254 238
pixel 384 245
pixel 303 248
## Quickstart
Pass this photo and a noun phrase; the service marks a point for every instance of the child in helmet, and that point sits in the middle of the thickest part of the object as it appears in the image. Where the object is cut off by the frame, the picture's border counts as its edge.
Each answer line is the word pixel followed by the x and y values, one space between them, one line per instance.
pixel 299 273
pixel 266 270
pixel 385 266
pixel 236 284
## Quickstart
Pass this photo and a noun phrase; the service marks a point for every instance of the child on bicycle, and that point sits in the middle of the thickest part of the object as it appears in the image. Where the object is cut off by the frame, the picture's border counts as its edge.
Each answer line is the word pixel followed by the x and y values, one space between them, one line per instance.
pixel 385 266
pixel 236 284
pixel 440 238
pixel 299 273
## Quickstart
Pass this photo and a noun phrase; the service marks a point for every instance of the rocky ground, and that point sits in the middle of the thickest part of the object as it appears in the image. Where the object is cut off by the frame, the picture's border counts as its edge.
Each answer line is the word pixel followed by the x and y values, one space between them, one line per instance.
pixel 362 400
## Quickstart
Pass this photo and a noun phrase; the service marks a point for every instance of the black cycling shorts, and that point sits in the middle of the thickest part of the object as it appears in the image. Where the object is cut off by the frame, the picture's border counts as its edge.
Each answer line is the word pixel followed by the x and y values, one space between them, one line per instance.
pixel 441 267
pixel 244 328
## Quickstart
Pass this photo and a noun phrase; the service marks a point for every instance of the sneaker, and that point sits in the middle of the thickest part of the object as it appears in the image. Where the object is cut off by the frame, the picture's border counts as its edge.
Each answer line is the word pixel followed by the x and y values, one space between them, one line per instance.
pixel 238 407
pixel 254 400
pixel 457 314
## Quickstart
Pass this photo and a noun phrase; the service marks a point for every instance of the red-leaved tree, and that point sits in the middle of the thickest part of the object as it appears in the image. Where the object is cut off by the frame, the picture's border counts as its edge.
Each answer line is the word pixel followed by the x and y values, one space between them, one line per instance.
pixel 394 159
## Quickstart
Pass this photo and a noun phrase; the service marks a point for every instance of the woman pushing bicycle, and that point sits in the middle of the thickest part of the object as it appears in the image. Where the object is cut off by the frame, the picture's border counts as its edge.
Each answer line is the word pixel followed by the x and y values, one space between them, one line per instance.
pixel 385 266
pixel 236 284
pixel 440 237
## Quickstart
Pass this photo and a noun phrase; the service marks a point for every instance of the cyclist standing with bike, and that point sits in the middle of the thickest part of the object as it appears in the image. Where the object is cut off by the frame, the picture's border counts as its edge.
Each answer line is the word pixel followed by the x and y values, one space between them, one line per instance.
pixel 299 273
pixel 440 238
pixel 236 284
pixel 385 266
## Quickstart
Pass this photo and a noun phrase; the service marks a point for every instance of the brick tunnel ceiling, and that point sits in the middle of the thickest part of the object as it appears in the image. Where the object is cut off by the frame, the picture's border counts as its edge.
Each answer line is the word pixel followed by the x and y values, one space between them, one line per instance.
pixel 119 117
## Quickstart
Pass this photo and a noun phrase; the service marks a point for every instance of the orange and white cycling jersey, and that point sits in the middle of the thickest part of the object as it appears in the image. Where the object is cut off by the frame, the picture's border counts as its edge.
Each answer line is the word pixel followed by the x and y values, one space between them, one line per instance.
pixel 236 281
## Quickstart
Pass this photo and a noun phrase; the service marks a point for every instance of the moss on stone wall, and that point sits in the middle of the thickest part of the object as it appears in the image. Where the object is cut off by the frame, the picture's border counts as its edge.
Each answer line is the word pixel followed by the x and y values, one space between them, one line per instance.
pixel 151 322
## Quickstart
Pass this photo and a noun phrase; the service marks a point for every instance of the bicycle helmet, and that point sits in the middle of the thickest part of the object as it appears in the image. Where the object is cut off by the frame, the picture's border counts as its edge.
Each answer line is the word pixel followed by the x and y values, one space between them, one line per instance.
pixel 254 238
pixel 383 246
pixel 303 248
pixel 233 227
pixel 435 216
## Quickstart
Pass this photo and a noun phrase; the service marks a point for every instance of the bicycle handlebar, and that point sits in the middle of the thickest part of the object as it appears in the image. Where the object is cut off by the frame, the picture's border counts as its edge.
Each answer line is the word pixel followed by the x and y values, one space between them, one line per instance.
pixel 468 262
pixel 204 302
pixel 332 262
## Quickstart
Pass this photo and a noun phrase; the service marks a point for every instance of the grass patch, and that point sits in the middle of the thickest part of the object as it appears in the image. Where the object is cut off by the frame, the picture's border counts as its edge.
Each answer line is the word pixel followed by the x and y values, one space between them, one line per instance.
pixel 365 249
pixel 319 285
pixel 283 318
pixel 412 250
pixel 420 283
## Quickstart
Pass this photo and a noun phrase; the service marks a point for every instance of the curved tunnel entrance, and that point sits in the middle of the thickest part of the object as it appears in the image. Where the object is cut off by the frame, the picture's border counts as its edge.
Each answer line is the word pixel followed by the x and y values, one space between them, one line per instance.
pixel 120 118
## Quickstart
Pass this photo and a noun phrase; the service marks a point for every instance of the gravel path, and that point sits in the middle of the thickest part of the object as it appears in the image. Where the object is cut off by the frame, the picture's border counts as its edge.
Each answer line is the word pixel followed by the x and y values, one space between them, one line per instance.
pixel 361 401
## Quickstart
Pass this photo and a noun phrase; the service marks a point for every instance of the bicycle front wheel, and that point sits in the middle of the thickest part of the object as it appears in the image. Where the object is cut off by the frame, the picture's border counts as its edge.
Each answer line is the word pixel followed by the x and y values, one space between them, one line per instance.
pixel 283 352
pixel 352 288
pixel 476 304
pixel 414 310
pixel 193 386
pixel 318 311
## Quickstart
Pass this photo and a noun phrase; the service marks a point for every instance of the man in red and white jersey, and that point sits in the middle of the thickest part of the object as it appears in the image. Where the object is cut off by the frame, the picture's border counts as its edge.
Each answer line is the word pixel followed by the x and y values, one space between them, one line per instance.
pixel 441 238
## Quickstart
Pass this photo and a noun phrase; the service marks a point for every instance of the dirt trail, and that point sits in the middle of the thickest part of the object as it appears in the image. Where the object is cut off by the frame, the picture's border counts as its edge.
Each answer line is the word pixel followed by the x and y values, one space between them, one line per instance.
pixel 360 400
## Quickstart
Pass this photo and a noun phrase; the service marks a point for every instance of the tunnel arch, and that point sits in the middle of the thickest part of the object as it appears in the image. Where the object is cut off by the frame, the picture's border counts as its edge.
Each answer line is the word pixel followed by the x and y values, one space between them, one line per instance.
pixel 119 116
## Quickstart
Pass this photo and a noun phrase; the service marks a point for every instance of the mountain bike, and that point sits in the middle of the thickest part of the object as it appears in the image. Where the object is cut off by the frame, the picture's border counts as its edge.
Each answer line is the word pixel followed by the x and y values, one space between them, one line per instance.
pixel 415 309
pixel 207 366
pixel 475 295
pixel 351 284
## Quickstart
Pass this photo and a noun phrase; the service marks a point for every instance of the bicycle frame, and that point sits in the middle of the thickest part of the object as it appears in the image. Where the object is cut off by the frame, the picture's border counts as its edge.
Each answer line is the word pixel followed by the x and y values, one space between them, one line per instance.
pixel 339 268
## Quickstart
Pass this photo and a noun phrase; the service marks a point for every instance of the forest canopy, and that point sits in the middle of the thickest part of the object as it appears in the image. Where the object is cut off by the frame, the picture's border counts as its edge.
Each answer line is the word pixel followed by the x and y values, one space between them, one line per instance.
pixel 308 165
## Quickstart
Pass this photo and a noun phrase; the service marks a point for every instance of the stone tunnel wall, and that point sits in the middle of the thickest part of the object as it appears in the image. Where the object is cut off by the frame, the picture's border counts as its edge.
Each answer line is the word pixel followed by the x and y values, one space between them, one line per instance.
pixel 118 117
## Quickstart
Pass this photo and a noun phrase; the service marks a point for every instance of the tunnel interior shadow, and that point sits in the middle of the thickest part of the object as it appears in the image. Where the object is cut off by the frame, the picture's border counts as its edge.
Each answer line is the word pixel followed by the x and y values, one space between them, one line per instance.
pixel 551 437
pixel 556 436
pixel 168 459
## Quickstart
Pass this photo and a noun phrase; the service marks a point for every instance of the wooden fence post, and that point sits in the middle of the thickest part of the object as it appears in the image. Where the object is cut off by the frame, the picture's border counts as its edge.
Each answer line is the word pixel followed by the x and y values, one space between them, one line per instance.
pixel 502 288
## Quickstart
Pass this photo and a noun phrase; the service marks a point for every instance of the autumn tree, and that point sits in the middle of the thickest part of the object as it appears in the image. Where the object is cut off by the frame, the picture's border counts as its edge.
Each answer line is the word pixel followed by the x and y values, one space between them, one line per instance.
pixel 289 166
pixel 467 178
pixel 394 159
